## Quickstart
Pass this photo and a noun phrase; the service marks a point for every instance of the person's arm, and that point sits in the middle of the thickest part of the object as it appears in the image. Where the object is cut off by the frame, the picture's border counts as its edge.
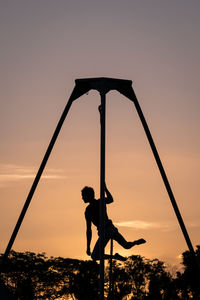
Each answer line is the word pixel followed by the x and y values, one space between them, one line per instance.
pixel 89 236
pixel 109 197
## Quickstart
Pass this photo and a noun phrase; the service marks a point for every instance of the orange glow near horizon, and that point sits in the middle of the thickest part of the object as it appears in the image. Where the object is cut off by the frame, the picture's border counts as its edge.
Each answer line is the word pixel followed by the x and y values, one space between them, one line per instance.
pixel 45 47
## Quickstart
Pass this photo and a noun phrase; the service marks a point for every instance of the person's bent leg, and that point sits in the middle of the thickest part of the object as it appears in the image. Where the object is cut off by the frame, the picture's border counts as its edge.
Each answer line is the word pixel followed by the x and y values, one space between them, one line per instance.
pixel 96 251
pixel 121 240
pixel 96 256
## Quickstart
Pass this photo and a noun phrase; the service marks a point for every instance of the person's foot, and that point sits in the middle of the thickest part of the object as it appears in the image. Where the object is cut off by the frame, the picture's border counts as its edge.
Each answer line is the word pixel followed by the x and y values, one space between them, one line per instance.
pixel 139 242
pixel 119 257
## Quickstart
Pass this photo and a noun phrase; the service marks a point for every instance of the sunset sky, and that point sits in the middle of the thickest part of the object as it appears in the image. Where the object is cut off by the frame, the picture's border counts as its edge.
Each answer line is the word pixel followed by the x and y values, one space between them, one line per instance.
pixel 45 46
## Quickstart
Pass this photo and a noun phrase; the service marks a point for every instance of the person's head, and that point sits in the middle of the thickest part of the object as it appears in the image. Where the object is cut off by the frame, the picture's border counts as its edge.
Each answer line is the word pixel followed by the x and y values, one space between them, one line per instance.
pixel 87 194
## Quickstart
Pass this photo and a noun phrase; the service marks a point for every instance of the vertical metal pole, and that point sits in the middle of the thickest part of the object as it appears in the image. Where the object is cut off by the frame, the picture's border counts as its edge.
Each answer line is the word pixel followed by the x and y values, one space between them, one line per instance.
pixel 102 192
pixel 110 294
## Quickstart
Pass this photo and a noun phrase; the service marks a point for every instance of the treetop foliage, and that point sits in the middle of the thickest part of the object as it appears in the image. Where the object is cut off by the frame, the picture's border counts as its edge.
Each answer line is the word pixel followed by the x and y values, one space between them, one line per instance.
pixel 35 276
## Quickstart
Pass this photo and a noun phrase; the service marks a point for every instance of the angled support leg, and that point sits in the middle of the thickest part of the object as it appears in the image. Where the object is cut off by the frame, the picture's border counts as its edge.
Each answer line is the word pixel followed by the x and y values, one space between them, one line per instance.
pixel 77 92
pixel 129 93
pixel 164 176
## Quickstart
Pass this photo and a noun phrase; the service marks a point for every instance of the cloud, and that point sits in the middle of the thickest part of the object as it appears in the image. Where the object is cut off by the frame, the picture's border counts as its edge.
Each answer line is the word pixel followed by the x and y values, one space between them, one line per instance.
pixel 194 224
pixel 139 224
pixel 11 173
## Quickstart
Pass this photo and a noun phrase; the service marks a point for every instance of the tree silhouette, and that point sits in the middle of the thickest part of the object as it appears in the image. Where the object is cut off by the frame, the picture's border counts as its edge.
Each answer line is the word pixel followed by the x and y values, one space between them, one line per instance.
pixel 34 276
pixel 188 282
pixel 121 286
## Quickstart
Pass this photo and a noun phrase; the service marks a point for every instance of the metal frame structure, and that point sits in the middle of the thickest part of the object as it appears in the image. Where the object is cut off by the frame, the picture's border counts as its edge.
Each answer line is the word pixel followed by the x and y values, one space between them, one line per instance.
pixel 103 85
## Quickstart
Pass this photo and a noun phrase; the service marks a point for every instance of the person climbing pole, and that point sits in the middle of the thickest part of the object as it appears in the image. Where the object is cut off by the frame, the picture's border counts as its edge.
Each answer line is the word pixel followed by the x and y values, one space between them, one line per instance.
pixel 111 232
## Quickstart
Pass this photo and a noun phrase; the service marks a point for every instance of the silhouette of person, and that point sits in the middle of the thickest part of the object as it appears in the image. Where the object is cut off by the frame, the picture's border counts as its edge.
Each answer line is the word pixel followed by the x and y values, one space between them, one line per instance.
pixel 111 232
